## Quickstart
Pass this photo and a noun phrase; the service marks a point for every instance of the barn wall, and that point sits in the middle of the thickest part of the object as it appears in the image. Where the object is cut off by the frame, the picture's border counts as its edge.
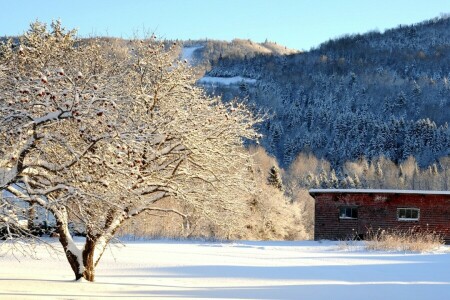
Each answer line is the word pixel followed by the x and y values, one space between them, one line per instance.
pixel 378 211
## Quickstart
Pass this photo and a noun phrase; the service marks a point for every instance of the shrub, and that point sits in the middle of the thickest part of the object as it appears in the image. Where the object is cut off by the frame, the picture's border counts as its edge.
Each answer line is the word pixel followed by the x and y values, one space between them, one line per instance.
pixel 413 239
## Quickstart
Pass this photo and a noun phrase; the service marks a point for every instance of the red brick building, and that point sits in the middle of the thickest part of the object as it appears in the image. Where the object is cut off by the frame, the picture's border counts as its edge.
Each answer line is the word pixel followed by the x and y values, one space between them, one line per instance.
pixel 346 213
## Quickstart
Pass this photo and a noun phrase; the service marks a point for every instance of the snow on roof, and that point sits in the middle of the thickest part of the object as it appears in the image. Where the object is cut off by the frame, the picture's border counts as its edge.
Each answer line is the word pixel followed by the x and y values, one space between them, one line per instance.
pixel 376 191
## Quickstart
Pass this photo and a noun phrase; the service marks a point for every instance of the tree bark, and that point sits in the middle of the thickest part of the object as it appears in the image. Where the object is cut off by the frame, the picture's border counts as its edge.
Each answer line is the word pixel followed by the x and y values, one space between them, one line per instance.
pixel 88 259
pixel 71 257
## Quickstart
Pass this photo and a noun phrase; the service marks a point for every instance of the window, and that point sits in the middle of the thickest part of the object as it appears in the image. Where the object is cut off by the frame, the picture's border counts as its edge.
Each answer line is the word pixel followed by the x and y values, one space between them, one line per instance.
pixel 348 212
pixel 408 214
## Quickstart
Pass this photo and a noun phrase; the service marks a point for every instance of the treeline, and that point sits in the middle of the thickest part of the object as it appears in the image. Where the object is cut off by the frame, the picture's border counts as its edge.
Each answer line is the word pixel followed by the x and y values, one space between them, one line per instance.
pixel 308 171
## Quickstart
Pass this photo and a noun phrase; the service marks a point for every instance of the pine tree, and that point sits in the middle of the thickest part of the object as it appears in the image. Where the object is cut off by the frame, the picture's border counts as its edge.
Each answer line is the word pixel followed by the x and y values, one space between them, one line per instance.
pixel 334 181
pixel 323 178
pixel 401 176
pixel 356 181
pixel 274 178
pixel 378 170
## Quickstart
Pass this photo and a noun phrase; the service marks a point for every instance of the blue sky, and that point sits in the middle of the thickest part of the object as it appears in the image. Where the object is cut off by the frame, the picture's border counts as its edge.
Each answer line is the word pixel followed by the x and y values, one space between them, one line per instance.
pixel 298 24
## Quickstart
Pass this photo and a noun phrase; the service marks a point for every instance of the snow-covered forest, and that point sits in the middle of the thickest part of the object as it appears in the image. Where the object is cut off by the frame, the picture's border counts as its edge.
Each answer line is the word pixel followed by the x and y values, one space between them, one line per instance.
pixel 360 96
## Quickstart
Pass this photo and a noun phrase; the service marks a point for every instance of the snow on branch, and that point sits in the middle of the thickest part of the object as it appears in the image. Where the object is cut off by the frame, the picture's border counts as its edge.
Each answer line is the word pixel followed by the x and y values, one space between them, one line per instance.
pixel 98 132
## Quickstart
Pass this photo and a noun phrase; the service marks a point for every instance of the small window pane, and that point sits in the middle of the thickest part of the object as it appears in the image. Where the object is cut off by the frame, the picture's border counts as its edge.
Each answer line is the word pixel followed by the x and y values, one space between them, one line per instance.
pixel 348 212
pixel 406 214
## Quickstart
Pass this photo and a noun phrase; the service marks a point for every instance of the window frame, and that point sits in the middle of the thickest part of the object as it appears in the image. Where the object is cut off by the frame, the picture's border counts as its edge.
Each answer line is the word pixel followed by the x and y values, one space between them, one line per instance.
pixel 352 209
pixel 411 209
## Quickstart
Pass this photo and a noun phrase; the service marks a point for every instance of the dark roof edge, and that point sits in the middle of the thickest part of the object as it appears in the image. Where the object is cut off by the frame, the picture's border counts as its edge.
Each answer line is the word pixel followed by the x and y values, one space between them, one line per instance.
pixel 375 191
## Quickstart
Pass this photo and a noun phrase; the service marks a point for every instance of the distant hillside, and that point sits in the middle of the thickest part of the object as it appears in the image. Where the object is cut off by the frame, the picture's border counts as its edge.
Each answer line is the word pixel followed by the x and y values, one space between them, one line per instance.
pixel 376 94
pixel 209 52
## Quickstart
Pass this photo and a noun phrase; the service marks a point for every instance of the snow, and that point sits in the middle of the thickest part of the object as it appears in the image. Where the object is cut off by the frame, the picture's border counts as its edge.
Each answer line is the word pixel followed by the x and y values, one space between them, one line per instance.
pixel 209 80
pixel 72 247
pixel 377 191
pixel 187 53
pixel 50 116
pixel 7 175
pixel 244 270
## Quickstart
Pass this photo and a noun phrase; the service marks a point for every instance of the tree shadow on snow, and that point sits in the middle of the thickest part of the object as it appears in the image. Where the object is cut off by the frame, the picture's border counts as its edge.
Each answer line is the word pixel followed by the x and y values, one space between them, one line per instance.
pixel 316 292
pixel 401 277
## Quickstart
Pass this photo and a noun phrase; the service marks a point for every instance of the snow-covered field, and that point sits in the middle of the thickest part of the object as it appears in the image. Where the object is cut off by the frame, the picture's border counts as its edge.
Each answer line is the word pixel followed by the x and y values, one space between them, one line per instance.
pixel 243 270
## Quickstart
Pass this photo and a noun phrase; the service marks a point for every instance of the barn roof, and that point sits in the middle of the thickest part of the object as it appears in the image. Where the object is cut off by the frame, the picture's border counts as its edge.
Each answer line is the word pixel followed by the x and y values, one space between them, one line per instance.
pixel 376 191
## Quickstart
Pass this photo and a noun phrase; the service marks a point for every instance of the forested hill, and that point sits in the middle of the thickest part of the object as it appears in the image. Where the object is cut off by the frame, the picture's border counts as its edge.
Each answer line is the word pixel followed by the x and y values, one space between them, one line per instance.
pixel 376 94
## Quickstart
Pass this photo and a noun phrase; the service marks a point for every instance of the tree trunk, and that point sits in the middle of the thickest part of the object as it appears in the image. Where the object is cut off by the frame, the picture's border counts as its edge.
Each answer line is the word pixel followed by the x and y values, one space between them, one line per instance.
pixel 84 261
pixel 88 259
pixel 81 261
pixel 31 216
pixel 87 269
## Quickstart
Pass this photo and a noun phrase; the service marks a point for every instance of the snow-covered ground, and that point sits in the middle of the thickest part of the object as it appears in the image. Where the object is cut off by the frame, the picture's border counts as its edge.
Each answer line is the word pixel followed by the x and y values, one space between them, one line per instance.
pixel 209 80
pixel 243 270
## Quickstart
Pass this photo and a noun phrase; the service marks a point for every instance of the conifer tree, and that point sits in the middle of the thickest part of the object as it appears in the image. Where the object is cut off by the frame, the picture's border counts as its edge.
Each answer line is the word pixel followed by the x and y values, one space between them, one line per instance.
pixel 274 178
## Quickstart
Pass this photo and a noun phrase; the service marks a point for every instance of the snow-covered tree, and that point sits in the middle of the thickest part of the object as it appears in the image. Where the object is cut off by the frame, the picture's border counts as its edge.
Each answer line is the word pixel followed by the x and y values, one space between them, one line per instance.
pixel 334 181
pixel 274 178
pixel 97 134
